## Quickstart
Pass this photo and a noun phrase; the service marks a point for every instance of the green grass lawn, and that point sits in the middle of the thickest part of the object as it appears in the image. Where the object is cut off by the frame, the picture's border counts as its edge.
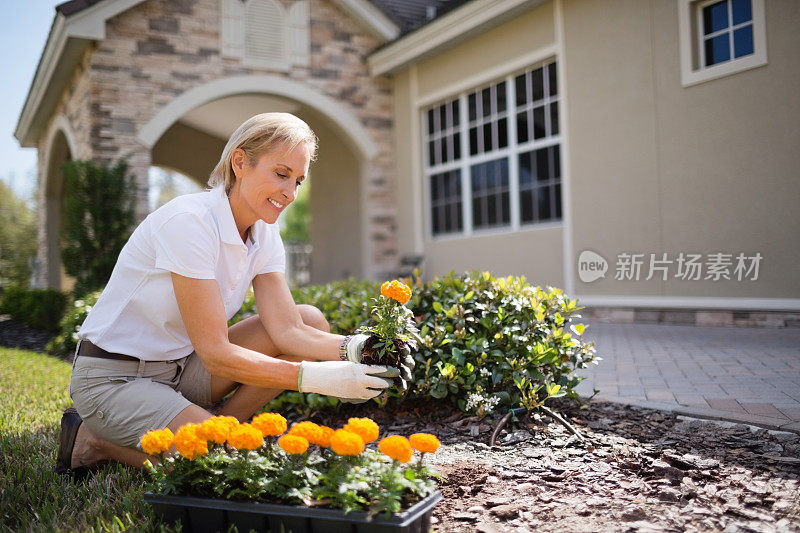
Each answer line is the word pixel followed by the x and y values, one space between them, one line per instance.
pixel 34 390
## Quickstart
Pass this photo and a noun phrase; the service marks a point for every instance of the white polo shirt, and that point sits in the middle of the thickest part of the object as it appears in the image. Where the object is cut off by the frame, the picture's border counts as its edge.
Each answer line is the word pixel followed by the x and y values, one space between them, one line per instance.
pixel 194 236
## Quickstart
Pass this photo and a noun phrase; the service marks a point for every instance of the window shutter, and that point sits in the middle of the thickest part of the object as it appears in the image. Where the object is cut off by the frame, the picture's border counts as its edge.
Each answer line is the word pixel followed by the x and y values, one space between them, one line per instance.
pixel 265 35
pixel 299 37
pixel 232 29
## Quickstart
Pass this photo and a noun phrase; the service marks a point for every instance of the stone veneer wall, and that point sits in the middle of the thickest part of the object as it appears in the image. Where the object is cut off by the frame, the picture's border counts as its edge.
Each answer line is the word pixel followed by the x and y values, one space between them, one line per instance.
pixel 161 48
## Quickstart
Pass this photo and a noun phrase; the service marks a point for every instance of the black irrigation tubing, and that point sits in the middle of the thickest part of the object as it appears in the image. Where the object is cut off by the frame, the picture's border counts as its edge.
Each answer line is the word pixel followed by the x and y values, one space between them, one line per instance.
pixel 521 411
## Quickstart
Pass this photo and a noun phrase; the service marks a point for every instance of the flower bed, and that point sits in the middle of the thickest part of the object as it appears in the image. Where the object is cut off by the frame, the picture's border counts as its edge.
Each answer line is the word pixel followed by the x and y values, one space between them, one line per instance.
pixel 308 465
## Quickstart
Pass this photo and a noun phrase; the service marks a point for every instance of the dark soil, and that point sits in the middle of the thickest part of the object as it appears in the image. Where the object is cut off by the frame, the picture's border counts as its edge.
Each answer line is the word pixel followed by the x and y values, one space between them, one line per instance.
pixel 370 355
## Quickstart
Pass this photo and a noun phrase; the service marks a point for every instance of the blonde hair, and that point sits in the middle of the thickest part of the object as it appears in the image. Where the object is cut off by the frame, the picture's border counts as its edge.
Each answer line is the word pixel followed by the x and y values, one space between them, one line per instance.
pixel 258 135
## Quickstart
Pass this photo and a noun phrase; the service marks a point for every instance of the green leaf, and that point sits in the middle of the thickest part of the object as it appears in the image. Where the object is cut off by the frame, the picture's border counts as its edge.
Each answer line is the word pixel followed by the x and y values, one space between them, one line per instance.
pixel 438 307
pixel 440 391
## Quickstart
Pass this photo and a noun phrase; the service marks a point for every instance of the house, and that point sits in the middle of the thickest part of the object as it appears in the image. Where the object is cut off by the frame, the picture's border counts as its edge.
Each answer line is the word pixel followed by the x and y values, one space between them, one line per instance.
pixel 640 155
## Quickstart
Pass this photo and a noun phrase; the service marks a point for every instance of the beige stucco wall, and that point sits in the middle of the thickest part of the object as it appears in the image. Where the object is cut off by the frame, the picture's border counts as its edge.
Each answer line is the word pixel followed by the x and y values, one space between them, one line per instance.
pixel 532 30
pixel 335 209
pixel 657 167
pixel 535 253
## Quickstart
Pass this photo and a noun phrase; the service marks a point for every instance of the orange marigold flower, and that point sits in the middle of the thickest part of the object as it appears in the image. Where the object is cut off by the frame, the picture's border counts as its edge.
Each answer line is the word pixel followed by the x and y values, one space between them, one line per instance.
pixel 188 443
pixel 325 437
pixel 424 442
pixel 308 430
pixel 293 444
pixel 396 447
pixel 346 443
pixel 217 428
pixel 270 424
pixel 396 290
pixel 245 437
pixel 364 428
pixel 157 441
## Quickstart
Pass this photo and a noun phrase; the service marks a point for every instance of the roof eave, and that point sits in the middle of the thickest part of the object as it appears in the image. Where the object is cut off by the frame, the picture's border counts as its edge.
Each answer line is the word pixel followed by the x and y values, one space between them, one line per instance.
pixel 372 18
pixel 444 32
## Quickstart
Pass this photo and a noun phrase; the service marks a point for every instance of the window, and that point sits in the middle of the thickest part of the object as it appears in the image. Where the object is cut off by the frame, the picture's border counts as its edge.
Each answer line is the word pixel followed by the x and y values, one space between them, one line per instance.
pixel 493 158
pixel 727 31
pixel 720 37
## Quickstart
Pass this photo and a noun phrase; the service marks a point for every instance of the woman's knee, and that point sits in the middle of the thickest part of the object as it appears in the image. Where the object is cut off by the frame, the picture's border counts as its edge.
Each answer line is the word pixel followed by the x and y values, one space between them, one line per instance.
pixel 313 317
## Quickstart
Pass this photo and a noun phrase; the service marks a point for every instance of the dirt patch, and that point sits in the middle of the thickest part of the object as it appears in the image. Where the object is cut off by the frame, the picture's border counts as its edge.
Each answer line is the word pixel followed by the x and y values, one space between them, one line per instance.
pixel 638 470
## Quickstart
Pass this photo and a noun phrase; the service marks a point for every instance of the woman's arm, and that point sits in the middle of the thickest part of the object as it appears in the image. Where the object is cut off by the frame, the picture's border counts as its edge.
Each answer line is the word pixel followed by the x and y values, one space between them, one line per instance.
pixel 281 320
pixel 203 314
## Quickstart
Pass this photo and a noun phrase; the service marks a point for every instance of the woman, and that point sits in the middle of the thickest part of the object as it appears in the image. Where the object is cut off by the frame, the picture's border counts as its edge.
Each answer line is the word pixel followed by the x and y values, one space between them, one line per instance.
pixel 156 350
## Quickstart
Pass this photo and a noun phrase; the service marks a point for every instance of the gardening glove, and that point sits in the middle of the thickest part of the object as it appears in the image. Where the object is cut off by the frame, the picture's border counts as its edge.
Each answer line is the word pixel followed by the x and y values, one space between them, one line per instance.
pixel 343 379
pixel 388 373
pixel 355 348
pixel 406 366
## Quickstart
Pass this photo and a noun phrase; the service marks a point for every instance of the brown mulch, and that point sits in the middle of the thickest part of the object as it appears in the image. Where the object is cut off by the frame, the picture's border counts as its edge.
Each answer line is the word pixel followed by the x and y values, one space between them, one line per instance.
pixel 14 334
pixel 638 470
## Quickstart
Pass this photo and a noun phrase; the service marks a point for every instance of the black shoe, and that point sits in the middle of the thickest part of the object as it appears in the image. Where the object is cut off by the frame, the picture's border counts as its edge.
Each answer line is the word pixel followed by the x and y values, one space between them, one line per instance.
pixel 70 422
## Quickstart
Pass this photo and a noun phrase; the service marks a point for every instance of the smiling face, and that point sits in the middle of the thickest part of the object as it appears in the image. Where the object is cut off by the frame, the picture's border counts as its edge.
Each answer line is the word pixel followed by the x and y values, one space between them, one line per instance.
pixel 264 188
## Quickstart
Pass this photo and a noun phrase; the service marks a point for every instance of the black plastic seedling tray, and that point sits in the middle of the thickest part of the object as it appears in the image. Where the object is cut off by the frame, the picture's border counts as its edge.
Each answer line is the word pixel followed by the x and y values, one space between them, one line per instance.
pixel 203 515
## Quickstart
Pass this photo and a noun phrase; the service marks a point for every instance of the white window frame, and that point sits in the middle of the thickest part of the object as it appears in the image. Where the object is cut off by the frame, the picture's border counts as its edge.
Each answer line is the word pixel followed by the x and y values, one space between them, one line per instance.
pixel 691 44
pixel 511 152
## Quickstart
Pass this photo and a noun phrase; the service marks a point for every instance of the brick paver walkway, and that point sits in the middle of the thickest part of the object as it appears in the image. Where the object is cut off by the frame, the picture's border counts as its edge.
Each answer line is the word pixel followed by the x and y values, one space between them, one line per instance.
pixel 749 375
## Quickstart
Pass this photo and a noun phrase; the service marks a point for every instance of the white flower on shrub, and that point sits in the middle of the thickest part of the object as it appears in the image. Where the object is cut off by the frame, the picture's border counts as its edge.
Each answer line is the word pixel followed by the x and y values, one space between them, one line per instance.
pixel 485 372
pixel 482 404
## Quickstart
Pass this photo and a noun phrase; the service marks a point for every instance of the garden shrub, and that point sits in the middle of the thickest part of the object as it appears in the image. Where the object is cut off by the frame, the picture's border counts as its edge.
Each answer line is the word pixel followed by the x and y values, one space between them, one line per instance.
pixel 489 342
pixel 38 308
pixel 67 339
pixel 99 217
pixel 486 343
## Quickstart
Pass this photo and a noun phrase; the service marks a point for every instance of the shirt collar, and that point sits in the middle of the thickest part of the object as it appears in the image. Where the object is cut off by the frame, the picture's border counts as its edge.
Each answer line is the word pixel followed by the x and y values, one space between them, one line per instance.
pixel 227 225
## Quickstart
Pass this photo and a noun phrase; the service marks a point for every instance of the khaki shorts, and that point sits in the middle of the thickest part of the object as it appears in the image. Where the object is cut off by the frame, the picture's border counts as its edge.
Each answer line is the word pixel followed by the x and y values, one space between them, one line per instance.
pixel 122 400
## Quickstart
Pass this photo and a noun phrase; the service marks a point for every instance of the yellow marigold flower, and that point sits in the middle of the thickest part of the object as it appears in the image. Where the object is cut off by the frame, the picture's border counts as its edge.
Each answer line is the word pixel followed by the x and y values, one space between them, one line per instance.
pixel 396 447
pixel 346 443
pixel 270 424
pixel 325 437
pixel 424 442
pixel 217 428
pixel 245 437
pixel 188 443
pixel 157 441
pixel 293 444
pixel 308 430
pixel 396 290
pixel 364 428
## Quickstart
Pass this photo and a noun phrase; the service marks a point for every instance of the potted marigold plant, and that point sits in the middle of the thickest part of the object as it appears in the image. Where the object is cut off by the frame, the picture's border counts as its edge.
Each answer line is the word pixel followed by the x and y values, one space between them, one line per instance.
pixel 392 330
pixel 310 478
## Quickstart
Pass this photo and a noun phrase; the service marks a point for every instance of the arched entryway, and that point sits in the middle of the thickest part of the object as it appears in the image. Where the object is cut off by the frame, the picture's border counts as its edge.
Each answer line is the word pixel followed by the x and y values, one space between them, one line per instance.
pixel 60 150
pixel 189 133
